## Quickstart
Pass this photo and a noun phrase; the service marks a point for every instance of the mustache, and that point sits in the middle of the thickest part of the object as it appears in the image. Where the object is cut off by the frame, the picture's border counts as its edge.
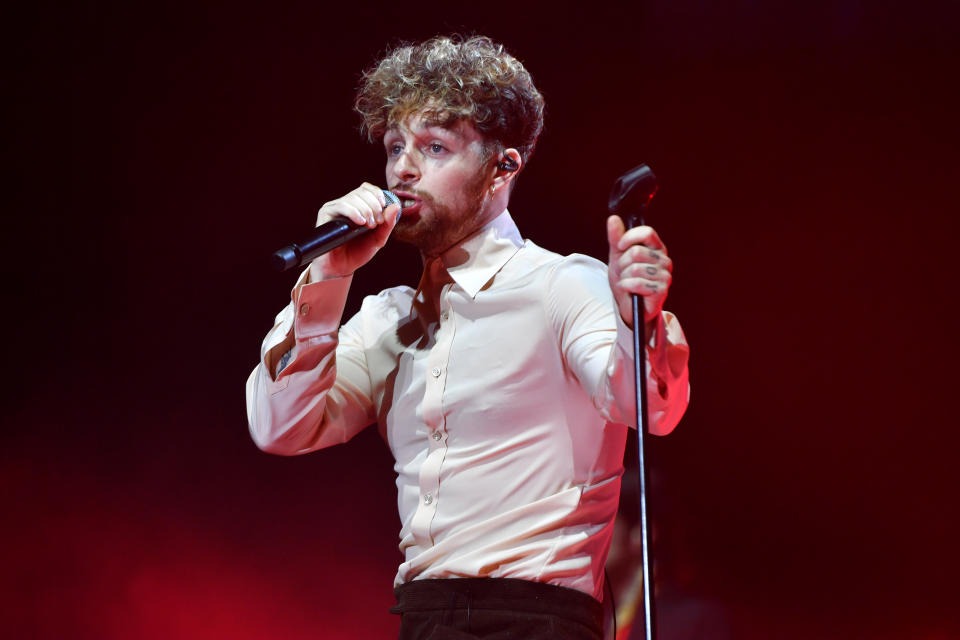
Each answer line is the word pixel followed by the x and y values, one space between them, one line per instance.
pixel 418 193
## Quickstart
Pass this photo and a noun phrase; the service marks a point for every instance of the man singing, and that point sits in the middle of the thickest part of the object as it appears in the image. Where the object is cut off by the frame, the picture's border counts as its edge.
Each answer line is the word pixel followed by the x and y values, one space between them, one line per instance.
pixel 502 384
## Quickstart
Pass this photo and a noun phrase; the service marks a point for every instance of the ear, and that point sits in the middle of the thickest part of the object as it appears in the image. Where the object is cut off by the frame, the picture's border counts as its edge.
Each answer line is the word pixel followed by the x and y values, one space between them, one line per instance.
pixel 508 166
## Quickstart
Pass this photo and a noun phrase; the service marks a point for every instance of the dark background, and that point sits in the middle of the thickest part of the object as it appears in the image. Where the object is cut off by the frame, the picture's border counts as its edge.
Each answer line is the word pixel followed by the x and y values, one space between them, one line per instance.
pixel 156 155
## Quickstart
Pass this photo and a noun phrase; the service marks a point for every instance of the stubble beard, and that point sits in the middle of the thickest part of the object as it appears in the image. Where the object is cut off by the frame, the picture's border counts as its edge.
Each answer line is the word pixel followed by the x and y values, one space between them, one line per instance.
pixel 445 225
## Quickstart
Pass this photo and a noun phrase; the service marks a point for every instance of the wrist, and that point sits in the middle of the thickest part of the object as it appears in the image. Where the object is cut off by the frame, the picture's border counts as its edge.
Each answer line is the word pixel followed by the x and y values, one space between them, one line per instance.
pixel 650 328
pixel 321 270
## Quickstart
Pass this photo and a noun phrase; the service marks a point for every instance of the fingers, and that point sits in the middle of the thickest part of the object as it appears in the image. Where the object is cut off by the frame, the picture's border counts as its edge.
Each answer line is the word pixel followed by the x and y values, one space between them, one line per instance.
pixel 653 292
pixel 642 255
pixel 642 235
pixel 638 265
pixel 637 246
pixel 645 285
pixel 364 206
pixel 390 215
pixel 615 231
pixel 648 279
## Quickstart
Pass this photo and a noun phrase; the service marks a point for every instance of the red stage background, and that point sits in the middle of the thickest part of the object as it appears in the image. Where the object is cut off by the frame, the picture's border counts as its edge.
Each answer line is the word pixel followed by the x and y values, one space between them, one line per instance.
pixel 807 158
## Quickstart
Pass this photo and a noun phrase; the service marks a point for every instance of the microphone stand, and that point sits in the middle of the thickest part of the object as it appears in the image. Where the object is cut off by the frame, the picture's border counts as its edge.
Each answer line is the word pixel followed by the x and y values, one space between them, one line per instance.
pixel 631 194
pixel 640 377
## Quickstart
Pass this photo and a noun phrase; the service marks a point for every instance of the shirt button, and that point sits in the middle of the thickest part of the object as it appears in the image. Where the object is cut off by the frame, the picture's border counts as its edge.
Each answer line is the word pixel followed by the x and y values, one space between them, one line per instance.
pixel 437 435
pixel 436 372
pixel 445 315
pixel 304 309
pixel 428 498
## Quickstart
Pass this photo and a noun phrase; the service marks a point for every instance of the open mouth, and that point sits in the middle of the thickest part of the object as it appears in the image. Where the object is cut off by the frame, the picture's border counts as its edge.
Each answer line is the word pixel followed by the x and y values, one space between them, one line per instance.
pixel 408 202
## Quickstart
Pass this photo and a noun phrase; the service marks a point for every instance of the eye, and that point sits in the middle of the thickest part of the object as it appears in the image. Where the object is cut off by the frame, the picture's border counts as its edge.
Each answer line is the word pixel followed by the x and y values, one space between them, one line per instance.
pixel 394 149
pixel 436 147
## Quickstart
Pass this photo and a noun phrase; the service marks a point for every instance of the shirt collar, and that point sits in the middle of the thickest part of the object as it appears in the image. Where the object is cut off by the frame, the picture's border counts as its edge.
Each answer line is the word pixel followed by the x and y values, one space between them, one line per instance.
pixel 474 262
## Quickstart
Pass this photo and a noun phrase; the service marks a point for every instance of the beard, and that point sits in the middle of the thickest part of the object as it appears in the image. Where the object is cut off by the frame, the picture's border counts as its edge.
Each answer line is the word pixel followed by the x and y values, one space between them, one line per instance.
pixel 441 225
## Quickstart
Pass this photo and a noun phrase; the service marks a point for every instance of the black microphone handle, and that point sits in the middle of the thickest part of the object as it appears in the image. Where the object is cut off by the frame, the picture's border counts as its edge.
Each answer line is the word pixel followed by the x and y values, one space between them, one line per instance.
pixel 324 238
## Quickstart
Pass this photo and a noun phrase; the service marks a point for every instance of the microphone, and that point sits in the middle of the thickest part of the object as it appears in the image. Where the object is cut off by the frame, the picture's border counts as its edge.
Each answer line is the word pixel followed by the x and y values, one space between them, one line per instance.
pixel 631 194
pixel 324 238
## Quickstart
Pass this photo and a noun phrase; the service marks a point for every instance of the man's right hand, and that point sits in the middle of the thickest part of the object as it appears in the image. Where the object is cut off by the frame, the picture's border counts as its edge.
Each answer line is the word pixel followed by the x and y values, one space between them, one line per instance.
pixel 365 206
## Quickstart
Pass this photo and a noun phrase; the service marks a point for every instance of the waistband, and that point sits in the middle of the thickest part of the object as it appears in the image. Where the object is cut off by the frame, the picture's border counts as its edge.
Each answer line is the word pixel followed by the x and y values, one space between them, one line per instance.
pixel 509 594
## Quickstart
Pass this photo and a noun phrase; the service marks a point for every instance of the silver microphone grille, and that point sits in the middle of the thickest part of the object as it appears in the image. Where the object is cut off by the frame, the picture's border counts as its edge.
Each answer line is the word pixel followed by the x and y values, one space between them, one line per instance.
pixel 391 198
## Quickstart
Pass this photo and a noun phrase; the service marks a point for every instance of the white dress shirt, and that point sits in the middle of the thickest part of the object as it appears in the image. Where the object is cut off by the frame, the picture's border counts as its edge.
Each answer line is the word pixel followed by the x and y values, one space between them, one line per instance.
pixel 501 385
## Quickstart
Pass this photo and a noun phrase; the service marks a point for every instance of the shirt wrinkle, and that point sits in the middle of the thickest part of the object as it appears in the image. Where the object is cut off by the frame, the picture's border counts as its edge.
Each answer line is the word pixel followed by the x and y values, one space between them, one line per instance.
pixel 504 412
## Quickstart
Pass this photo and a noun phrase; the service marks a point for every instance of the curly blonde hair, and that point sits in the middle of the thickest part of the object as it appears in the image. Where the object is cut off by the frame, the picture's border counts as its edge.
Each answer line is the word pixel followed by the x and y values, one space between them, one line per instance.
pixel 450 79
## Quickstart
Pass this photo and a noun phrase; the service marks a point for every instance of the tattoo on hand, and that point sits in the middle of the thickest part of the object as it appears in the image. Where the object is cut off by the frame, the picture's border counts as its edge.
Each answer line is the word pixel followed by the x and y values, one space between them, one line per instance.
pixel 652 271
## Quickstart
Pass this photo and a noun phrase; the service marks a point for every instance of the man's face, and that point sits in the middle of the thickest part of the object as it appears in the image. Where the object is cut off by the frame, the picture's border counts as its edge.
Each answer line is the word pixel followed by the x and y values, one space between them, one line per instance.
pixel 441 175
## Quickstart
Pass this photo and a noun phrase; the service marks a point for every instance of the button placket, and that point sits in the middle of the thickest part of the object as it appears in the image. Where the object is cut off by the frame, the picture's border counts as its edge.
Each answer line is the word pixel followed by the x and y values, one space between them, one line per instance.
pixel 432 411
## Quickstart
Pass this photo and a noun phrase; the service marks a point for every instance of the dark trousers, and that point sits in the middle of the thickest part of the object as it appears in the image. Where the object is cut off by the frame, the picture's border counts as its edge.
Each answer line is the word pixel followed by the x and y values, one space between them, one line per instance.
pixel 495 609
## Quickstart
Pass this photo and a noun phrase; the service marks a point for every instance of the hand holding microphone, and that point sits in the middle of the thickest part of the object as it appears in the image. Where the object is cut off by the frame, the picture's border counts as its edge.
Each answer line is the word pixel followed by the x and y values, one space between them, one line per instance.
pixel 361 221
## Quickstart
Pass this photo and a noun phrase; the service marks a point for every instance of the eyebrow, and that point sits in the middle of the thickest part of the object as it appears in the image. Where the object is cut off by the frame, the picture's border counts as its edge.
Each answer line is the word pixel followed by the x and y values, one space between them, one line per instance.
pixel 448 136
pixel 447 126
pixel 450 131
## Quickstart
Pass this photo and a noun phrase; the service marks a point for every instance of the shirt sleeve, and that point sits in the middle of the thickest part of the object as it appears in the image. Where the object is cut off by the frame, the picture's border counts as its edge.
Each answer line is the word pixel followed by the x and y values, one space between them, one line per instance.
pixel 322 396
pixel 597 347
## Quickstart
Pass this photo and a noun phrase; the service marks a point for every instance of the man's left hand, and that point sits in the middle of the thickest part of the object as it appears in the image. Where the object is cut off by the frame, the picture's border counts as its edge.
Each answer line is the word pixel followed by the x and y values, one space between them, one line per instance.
pixel 638 264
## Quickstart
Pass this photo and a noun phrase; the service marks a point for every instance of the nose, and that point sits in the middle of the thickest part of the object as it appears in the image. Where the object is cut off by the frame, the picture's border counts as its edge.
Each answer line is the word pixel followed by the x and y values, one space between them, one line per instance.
pixel 405 168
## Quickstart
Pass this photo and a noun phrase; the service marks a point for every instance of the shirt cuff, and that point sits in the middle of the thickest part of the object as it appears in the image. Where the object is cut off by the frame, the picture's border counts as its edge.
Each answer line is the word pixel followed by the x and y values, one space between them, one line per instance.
pixel 318 306
pixel 656 345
